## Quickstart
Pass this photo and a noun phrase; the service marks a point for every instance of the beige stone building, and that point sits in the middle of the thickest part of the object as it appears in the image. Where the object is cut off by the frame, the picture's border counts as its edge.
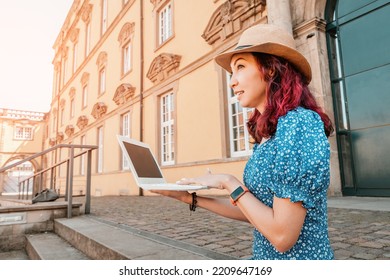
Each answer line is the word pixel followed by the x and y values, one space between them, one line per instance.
pixel 21 136
pixel 145 69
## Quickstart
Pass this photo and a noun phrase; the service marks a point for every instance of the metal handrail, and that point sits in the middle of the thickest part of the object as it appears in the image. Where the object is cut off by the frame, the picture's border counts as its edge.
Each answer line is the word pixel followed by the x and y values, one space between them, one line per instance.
pixel 69 178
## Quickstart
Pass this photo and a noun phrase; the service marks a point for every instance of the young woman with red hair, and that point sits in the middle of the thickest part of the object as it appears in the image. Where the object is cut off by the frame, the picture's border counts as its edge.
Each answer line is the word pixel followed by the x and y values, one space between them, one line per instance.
pixel 284 189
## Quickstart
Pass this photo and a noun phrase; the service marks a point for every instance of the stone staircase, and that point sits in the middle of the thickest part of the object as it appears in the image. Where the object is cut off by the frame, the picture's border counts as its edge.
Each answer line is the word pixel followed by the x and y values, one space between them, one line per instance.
pixel 86 237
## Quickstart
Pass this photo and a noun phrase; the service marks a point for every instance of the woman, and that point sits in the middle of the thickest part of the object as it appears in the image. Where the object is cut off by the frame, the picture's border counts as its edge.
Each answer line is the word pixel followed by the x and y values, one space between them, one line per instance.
pixel 284 191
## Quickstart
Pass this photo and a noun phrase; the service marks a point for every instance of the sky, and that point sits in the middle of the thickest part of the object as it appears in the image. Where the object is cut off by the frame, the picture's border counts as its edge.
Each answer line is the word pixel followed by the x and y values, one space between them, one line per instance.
pixel 28 30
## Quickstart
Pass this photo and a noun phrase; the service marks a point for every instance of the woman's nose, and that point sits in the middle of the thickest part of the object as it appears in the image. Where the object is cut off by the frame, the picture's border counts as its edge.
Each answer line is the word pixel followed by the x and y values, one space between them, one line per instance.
pixel 233 82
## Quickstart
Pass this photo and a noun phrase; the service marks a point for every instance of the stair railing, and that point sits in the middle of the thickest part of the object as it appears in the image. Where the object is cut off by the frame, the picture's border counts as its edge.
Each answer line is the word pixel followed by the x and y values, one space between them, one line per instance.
pixel 86 149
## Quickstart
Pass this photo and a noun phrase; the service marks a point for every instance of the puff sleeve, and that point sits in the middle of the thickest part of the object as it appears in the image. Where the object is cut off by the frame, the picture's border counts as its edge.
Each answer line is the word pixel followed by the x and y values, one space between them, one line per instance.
pixel 300 170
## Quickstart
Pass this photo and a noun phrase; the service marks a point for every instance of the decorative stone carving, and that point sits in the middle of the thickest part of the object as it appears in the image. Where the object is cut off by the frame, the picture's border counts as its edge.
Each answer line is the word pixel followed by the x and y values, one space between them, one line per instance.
pixel 126 31
pixel 52 141
pixel 72 92
pixel 123 93
pixel 230 18
pixel 74 34
pixel 64 51
pixel 155 2
pixel 163 66
pixel 62 103
pixel 102 59
pixel 82 122
pixel 60 136
pixel 69 130
pixel 98 110
pixel 86 11
pixel 84 78
pixel 57 66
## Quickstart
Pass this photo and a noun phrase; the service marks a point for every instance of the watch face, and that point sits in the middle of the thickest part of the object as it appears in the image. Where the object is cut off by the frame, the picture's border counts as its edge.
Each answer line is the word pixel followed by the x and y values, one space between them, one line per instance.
pixel 236 193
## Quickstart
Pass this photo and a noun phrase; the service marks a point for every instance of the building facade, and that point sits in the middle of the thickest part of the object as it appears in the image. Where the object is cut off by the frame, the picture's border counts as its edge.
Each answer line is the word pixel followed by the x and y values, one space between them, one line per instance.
pixel 21 135
pixel 145 69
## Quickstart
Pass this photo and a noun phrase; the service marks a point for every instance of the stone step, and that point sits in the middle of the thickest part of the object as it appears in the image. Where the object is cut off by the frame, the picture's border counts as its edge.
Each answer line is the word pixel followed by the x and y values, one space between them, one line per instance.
pixel 49 246
pixel 102 240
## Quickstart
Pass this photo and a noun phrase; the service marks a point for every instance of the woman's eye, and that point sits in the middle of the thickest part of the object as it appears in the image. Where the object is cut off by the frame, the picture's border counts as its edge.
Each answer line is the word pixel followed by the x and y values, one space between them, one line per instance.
pixel 239 66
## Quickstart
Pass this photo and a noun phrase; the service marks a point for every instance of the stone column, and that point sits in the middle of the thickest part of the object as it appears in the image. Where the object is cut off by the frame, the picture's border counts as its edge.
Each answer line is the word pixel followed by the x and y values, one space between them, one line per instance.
pixel 279 14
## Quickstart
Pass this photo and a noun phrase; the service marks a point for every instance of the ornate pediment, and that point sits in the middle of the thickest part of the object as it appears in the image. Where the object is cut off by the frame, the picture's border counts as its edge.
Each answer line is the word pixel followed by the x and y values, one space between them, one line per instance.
pixel 60 136
pixel 123 93
pixel 84 78
pixel 126 31
pixel 69 130
pixel 86 11
pixel 163 66
pixel 74 34
pixel 155 2
pixel 62 103
pixel 64 51
pixel 72 92
pixel 102 59
pixel 98 110
pixel 230 17
pixel 82 122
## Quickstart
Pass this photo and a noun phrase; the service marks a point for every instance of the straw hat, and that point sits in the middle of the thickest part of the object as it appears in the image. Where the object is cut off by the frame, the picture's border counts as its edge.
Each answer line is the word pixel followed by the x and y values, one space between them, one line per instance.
pixel 270 39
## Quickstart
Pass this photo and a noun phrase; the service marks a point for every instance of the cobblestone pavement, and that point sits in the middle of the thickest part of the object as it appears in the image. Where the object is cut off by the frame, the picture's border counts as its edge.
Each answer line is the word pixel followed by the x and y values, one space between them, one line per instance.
pixel 354 234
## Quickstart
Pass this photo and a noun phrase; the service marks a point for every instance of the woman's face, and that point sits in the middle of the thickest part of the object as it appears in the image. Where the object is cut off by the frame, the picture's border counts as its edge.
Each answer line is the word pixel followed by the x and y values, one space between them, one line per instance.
pixel 247 81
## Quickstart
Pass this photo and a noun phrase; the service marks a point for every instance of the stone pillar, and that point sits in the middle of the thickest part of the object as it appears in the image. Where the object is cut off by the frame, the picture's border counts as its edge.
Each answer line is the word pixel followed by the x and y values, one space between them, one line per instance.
pixel 279 14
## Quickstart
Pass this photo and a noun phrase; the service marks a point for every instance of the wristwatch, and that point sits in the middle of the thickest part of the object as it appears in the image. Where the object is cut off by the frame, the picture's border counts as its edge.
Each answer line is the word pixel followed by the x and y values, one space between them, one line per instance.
pixel 237 193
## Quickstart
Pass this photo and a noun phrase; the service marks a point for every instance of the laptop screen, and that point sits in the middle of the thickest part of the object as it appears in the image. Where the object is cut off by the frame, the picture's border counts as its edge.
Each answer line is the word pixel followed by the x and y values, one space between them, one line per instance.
pixel 143 161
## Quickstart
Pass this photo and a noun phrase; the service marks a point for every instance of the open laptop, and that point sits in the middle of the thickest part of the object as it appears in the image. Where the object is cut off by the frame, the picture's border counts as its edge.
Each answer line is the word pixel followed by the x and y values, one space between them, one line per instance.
pixel 146 171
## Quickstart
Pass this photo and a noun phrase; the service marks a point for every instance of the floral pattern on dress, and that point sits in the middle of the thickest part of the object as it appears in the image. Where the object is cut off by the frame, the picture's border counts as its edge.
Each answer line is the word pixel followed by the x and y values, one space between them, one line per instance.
pixel 294 164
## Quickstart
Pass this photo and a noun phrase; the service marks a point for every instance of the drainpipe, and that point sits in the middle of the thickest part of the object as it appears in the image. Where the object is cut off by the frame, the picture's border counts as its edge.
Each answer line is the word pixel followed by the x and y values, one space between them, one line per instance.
pixel 279 13
pixel 141 102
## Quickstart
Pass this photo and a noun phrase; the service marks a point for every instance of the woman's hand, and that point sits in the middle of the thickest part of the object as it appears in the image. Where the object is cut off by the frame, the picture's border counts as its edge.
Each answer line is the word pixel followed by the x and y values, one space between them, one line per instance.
pixel 219 181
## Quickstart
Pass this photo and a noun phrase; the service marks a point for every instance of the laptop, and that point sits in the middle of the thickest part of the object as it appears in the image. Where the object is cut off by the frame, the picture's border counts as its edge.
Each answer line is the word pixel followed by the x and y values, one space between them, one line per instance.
pixel 146 171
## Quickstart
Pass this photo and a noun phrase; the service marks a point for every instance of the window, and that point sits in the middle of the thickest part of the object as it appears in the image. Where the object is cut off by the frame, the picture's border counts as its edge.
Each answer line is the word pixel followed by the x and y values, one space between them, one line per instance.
pixel 62 116
pixel 82 158
pixel 85 96
pixel 64 66
pixel 57 83
pixel 104 16
pixel 125 132
pixel 102 81
pixel 165 23
pixel 23 133
pixel 54 123
pixel 100 150
pixel 125 39
pixel 74 68
pixel 238 117
pixel 167 129
pixel 72 108
pixel 126 58
pixel 87 38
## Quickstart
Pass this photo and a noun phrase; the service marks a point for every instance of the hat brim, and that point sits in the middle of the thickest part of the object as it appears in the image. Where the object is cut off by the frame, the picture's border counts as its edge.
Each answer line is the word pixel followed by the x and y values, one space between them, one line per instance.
pixel 291 55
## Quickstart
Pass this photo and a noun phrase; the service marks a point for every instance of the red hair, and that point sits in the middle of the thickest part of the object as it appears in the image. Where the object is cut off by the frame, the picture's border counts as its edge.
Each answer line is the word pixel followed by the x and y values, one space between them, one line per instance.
pixel 286 90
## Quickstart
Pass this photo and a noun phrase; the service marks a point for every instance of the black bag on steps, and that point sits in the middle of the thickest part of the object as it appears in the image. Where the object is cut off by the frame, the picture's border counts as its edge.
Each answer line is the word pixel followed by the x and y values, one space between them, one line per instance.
pixel 44 196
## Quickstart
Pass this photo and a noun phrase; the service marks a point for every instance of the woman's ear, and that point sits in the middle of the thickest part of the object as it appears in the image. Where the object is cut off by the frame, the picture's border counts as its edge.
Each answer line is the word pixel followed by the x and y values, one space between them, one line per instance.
pixel 271 72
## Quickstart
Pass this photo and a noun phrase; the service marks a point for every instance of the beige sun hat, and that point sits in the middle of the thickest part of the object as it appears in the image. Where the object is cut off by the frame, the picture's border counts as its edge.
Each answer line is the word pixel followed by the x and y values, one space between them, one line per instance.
pixel 270 39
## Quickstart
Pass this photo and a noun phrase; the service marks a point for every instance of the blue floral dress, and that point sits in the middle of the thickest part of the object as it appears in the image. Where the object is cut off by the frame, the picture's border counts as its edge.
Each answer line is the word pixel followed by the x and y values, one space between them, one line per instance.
pixel 294 163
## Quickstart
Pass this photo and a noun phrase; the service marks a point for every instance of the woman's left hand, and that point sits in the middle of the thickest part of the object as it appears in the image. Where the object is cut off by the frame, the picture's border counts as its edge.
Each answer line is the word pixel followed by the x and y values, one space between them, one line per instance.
pixel 219 181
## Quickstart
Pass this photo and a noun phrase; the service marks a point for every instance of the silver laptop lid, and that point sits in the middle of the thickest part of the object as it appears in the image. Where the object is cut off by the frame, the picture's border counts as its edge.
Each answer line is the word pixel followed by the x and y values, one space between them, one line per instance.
pixel 142 162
